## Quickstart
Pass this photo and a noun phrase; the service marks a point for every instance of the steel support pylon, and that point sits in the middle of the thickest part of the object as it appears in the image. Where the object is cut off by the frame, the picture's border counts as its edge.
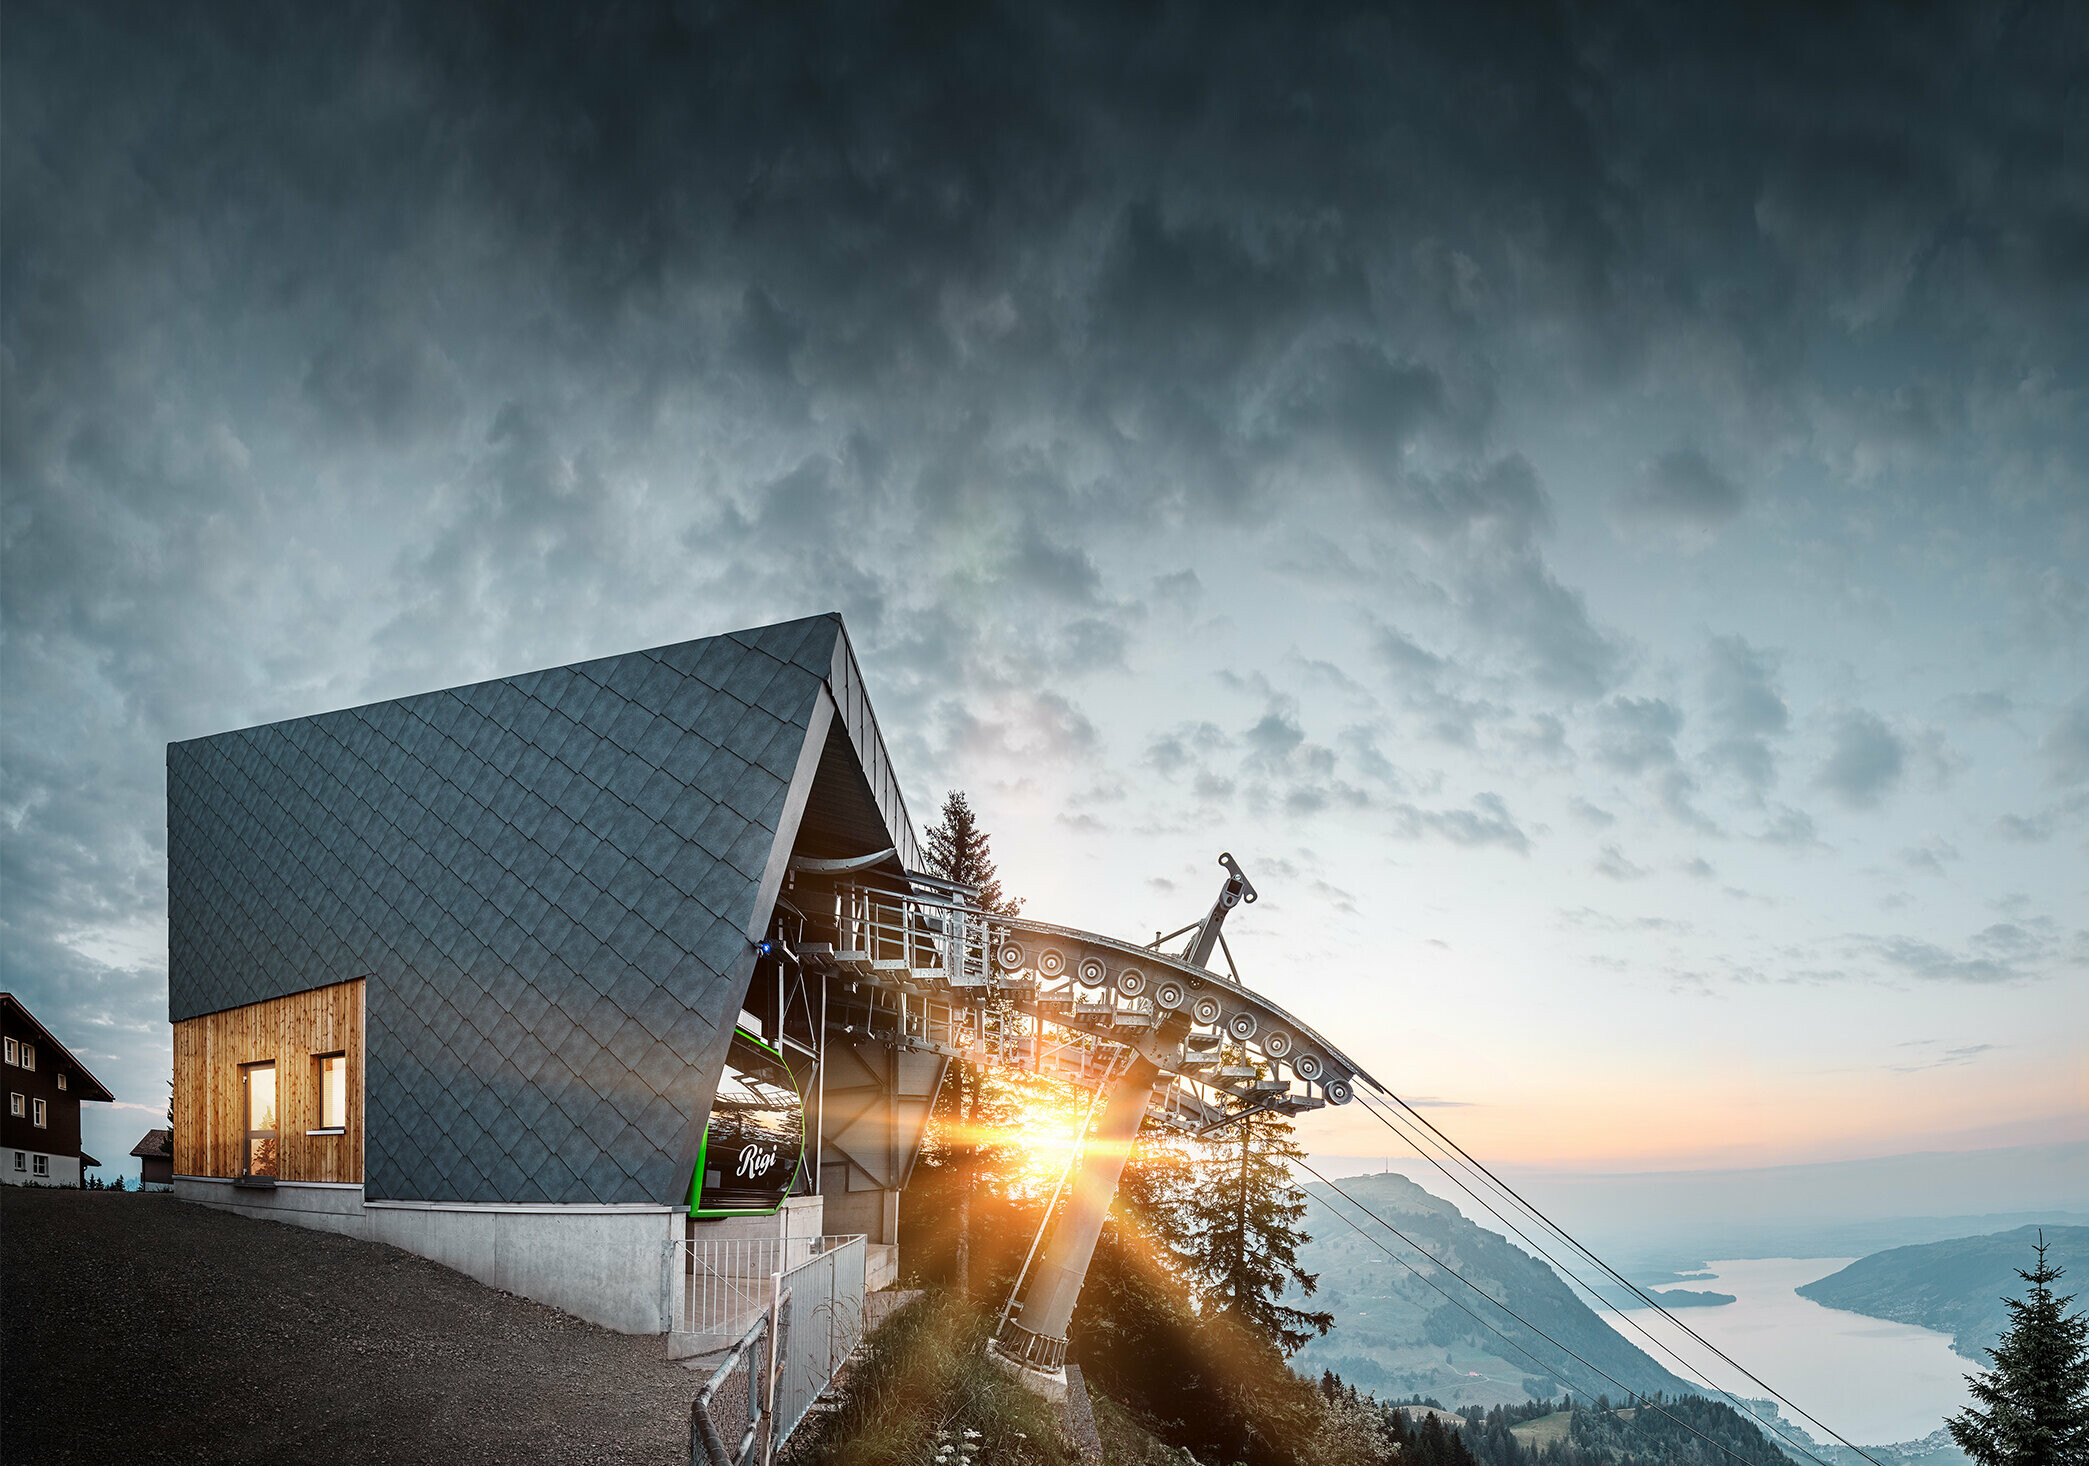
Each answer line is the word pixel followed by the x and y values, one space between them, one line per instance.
pixel 1031 1345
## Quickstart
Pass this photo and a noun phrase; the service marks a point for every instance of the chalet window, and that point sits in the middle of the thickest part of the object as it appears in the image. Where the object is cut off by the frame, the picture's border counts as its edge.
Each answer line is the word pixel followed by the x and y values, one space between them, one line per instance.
pixel 41 1165
pixel 257 1084
pixel 40 1114
pixel 21 1161
pixel 333 1091
pixel 16 1105
pixel 28 1056
pixel 61 1079
pixel 13 1058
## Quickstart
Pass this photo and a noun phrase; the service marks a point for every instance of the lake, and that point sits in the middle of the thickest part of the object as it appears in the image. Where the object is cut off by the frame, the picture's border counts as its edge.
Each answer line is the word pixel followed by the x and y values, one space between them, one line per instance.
pixel 1878 1383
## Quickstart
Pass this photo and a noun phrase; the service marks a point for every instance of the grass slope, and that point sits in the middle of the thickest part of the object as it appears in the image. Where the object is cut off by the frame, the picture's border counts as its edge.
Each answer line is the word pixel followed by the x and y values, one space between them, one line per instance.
pixel 925 1382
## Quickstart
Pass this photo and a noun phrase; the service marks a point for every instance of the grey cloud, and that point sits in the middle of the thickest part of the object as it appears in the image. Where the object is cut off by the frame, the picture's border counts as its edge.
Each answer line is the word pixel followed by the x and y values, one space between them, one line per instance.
pixel 1865 760
pixel 1275 735
pixel 1681 490
pixel 1062 572
pixel 1611 862
pixel 1743 704
pixel 1791 828
pixel 1427 684
pixel 1930 855
pixel 1678 795
pixel 2036 828
pixel 1404 658
pixel 1936 1055
pixel 1637 734
pixel 1488 822
pixel 1936 964
pixel 2064 749
pixel 2005 952
pixel 1509 592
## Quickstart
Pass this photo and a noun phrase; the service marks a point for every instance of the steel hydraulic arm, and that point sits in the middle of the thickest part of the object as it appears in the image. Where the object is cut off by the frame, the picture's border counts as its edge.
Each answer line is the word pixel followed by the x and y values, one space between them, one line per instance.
pixel 1163 1032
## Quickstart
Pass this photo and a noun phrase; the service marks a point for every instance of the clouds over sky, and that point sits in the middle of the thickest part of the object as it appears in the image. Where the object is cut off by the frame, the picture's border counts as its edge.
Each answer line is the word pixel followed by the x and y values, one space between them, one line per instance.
pixel 1387 441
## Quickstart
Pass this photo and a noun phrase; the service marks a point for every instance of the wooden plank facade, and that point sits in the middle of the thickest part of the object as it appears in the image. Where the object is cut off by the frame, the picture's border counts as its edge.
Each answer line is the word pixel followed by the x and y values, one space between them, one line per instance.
pixel 211 1054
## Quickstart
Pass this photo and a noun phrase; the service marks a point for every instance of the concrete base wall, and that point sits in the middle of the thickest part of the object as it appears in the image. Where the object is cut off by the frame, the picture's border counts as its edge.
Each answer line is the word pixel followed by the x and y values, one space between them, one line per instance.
pixel 607 1265
pixel 873 1213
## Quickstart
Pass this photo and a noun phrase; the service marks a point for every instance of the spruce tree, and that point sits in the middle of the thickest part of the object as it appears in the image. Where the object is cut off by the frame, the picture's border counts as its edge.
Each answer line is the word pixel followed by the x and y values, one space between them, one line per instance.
pixel 2032 1408
pixel 1244 1235
pixel 958 850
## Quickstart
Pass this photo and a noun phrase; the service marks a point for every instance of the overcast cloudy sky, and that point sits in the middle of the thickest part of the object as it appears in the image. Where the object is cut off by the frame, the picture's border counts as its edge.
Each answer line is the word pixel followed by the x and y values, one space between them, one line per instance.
pixel 1591 508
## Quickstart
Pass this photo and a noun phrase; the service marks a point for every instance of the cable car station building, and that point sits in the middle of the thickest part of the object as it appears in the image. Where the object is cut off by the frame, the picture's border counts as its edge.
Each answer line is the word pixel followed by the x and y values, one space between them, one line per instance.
pixel 548 977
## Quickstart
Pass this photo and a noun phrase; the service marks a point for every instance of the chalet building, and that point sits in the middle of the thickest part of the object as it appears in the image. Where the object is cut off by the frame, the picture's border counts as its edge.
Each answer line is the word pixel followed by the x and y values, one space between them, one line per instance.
pixel 499 975
pixel 40 1144
pixel 155 1155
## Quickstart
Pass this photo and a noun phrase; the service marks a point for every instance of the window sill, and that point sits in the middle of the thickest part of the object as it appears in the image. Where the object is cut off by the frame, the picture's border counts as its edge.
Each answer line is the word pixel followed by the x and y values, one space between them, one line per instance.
pixel 329 1130
pixel 255 1183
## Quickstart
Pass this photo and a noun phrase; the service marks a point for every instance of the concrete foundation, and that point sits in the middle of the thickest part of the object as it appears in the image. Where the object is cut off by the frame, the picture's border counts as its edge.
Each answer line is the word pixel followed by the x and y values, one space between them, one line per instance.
pixel 1048 1383
pixel 605 1264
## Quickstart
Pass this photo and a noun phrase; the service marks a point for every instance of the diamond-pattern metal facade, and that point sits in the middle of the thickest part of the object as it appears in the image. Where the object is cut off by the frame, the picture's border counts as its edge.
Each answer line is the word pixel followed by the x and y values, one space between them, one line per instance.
pixel 549 881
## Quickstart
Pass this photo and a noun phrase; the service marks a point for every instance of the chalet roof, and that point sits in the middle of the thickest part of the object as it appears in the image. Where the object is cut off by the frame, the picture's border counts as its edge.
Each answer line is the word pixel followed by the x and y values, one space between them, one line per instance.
pixel 552 882
pixel 155 1143
pixel 90 1087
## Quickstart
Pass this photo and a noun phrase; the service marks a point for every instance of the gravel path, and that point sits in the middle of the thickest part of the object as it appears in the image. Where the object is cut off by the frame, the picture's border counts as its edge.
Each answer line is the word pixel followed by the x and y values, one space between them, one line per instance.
pixel 142 1328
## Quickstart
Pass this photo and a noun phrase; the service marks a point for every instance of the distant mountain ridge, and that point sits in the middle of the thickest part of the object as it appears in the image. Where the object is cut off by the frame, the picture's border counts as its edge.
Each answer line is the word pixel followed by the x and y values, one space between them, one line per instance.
pixel 1396 1336
pixel 1955 1287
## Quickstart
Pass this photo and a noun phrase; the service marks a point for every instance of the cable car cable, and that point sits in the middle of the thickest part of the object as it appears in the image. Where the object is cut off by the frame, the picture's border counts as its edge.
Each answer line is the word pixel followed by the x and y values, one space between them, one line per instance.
pixel 1583 1249
pixel 1635 1395
pixel 1575 1279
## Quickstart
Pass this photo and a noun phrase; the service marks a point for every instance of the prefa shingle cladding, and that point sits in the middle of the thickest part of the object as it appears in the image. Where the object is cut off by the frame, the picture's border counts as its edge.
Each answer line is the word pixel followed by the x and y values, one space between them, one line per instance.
pixel 549 882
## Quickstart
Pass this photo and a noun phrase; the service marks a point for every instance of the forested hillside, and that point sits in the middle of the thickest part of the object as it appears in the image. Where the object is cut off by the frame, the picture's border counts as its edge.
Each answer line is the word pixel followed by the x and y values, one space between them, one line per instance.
pixel 1954 1287
pixel 1397 1336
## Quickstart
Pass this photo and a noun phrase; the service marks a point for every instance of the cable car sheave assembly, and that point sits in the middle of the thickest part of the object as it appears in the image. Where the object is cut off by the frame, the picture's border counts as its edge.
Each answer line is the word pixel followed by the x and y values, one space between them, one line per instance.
pixel 1151 1031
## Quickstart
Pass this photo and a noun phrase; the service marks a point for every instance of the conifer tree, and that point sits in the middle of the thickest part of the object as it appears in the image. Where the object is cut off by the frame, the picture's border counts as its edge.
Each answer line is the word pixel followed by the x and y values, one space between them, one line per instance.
pixel 2032 1408
pixel 958 850
pixel 1244 1235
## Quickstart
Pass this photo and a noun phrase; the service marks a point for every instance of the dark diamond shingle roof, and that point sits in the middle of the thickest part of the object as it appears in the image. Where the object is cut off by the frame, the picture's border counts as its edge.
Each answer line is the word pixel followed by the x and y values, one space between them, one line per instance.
pixel 550 882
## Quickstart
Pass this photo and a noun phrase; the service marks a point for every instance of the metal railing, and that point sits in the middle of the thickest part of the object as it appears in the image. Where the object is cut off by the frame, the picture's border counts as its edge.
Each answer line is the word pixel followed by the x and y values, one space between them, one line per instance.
pixel 726 1420
pixel 725 1282
pixel 796 1343
pixel 820 1325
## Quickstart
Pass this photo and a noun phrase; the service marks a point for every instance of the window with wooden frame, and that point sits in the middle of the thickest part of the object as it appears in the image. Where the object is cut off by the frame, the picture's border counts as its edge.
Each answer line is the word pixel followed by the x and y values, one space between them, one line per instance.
pixel 39 1114
pixel 27 1058
pixel 17 1106
pixel 257 1092
pixel 13 1054
pixel 330 1082
pixel 41 1165
pixel 61 1079
pixel 21 1160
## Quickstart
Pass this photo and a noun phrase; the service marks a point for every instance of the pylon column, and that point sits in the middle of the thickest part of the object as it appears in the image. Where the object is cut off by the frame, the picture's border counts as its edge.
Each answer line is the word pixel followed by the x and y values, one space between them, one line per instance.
pixel 1032 1344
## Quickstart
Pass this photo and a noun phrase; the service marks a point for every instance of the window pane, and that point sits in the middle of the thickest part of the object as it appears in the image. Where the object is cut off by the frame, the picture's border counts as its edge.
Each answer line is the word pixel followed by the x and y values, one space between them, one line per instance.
pixel 28 1056
pixel 333 1092
pixel 261 1097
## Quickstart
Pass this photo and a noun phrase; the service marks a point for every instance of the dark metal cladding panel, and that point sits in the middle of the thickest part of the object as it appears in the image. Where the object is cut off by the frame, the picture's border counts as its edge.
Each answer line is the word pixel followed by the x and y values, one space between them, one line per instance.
pixel 545 880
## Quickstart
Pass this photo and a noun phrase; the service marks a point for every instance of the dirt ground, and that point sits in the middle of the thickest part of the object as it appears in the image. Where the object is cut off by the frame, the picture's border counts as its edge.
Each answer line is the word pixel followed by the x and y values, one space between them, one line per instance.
pixel 142 1328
